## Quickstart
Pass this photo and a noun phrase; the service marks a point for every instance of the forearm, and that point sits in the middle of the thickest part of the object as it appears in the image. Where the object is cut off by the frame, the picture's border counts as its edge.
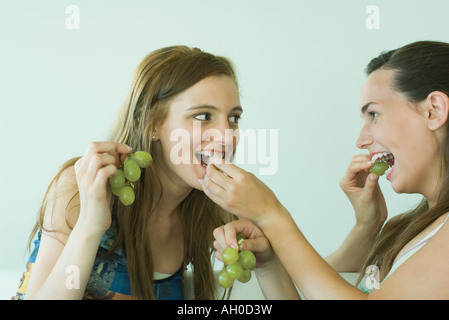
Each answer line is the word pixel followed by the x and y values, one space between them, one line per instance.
pixel 315 278
pixel 352 253
pixel 69 276
pixel 275 282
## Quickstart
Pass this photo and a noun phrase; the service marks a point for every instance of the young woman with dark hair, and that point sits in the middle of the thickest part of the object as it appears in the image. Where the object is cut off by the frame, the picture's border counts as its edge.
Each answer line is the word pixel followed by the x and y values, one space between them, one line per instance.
pixel 404 105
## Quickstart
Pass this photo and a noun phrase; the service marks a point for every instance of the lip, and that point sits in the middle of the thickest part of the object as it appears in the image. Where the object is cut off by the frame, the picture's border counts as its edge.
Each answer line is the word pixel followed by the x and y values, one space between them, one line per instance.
pixel 203 159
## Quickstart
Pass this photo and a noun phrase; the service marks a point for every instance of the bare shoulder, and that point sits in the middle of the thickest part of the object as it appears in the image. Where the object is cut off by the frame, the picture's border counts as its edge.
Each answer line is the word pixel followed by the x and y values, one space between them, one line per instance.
pixel 425 274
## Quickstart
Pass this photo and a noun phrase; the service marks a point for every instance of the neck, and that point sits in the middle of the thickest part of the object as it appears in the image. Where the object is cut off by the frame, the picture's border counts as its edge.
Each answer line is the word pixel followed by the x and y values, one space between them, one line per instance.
pixel 172 197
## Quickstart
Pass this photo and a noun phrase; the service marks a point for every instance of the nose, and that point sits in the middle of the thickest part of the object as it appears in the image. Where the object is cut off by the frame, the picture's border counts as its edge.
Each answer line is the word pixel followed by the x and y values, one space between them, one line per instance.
pixel 222 134
pixel 364 139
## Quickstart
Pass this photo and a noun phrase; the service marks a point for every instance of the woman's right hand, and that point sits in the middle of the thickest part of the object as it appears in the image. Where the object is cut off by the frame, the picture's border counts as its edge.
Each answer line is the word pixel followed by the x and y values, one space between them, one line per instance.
pixel 363 191
pixel 92 173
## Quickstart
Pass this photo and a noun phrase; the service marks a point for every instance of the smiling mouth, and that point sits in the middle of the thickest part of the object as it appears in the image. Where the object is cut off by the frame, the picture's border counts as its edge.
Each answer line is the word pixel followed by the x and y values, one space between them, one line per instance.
pixel 384 157
pixel 204 156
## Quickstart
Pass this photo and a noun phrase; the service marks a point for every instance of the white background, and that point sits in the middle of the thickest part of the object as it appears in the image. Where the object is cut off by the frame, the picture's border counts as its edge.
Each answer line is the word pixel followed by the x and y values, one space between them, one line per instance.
pixel 300 68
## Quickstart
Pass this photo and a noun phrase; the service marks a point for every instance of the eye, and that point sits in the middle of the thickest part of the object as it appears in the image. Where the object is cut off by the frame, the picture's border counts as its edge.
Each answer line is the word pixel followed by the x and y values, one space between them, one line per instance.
pixel 235 118
pixel 372 115
pixel 202 116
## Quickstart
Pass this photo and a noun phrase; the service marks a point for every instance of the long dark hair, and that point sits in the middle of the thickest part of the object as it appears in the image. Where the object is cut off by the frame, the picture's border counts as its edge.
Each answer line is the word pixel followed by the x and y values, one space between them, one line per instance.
pixel 420 68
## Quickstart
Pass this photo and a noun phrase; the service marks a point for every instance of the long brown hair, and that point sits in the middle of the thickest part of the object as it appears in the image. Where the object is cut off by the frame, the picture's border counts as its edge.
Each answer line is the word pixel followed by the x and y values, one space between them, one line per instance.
pixel 420 68
pixel 161 75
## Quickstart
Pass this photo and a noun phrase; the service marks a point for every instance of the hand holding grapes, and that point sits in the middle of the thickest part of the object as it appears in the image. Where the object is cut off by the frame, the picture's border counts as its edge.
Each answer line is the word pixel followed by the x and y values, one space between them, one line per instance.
pixel 92 173
pixel 242 247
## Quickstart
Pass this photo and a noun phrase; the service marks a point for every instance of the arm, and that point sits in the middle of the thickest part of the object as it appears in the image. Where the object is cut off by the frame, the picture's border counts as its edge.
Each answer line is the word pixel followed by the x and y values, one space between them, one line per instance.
pixel 422 276
pixel 352 253
pixel 363 191
pixel 64 252
pixel 244 195
pixel 312 274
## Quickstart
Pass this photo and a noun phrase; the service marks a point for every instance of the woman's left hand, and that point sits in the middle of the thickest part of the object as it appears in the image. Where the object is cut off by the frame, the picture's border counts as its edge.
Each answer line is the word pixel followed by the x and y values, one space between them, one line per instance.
pixel 255 241
pixel 238 191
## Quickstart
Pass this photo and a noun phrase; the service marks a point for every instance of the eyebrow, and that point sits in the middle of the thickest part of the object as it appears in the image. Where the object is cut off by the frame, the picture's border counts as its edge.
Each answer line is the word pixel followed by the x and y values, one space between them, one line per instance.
pixel 363 110
pixel 205 106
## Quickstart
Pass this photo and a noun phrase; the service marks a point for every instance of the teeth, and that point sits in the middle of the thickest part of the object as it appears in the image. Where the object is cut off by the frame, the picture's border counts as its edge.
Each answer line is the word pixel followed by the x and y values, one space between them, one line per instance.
pixel 207 155
pixel 210 154
pixel 381 156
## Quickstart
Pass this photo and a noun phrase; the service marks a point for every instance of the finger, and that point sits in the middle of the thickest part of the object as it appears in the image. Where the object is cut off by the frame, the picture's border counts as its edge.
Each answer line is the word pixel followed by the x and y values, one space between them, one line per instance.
pixel 96 162
pixel 356 167
pixel 220 241
pixel 218 177
pixel 371 184
pixel 260 244
pixel 230 169
pixel 245 226
pixel 108 147
pixel 212 188
pixel 230 234
pixel 100 182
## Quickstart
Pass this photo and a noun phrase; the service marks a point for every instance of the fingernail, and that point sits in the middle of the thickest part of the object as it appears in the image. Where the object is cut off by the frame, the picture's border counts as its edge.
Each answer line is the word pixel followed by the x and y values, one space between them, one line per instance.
pixel 128 147
pixel 201 182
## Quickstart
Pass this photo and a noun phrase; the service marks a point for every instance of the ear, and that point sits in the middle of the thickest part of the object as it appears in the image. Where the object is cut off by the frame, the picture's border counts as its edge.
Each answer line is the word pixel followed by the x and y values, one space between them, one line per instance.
pixel 437 109
pixel 154 134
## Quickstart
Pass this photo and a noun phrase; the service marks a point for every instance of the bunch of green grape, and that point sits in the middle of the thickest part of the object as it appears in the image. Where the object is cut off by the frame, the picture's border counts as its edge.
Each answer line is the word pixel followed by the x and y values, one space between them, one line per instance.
pixel 130 171
pixel 238 265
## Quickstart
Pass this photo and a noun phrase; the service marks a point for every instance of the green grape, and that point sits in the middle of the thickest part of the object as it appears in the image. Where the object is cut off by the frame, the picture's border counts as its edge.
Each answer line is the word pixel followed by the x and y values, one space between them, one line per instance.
pixel 126 195
pixel 379 168
pixel 224 279
pixel 131 170
pixel 234 270
pixel 142 158
pixel 230 255
pixel 117 180
pixel 247 260
pixel 246 276
pixel 240 238
pixel 116 191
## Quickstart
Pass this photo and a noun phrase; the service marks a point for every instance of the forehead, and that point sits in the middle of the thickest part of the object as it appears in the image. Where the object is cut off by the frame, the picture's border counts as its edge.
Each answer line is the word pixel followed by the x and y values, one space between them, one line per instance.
pixel 377 88
pixel 218 91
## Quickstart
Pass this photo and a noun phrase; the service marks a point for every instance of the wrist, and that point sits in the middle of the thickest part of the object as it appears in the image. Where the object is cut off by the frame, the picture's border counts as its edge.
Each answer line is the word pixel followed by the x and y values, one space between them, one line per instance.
pixel 88 229
pixel 367 229
pixel 270 216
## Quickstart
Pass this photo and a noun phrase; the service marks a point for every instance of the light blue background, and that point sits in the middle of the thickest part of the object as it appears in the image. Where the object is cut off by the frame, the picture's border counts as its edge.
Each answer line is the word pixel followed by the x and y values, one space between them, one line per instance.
pixel 300 67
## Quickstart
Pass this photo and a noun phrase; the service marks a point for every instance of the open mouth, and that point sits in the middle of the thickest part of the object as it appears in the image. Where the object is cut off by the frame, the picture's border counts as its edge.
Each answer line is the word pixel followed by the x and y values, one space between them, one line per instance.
pixel 384 157
pixel 204 156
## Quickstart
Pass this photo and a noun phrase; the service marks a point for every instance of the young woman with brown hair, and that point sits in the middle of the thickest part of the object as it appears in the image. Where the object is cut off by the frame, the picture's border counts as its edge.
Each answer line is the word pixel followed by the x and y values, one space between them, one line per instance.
pixel 405 106
pixel 120 252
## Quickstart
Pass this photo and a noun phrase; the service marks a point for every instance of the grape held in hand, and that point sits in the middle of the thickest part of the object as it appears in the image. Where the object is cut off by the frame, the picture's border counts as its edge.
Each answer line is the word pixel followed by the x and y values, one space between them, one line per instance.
pixel 379 168
pixel 238 265
pixel 128 172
